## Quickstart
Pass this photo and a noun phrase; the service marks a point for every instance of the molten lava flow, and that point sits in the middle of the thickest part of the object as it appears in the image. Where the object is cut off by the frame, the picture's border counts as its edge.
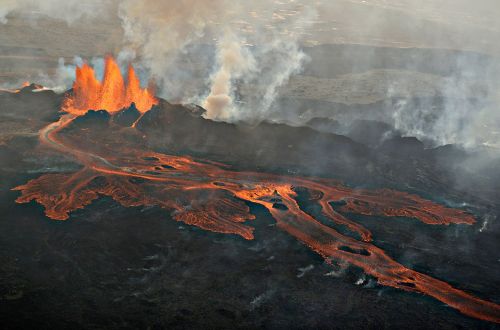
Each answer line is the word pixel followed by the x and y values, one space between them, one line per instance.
pixel 112 94
pixel 16 90
pixel 211 196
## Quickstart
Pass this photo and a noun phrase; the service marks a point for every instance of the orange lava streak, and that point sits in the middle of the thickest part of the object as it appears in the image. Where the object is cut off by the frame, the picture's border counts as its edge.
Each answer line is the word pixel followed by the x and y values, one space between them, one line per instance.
pixel 211 196
pixel 15 90
pixel 332 245
pixel 112 94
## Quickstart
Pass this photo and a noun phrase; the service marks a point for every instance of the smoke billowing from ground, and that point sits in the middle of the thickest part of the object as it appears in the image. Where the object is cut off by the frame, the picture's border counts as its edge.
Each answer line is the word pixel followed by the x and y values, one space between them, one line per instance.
pixel 255 44
pixel 465 110
pixel 234 62
pixel 68 10
pixel 233 57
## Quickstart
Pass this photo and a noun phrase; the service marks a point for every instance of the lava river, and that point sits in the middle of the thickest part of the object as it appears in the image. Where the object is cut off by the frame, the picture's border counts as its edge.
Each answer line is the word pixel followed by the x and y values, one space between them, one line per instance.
pixel 211 196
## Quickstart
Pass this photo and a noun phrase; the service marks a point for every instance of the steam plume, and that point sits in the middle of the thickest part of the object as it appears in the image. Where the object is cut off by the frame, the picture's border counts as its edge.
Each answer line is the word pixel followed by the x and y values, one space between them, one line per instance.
pixel 234 61
pixel 68 10
pixel 255 45
pixel 233 56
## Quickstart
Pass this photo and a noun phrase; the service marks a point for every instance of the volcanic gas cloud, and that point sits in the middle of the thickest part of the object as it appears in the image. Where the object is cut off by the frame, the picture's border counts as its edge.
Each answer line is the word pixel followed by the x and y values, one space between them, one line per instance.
pixel 211 196
pixel 112 94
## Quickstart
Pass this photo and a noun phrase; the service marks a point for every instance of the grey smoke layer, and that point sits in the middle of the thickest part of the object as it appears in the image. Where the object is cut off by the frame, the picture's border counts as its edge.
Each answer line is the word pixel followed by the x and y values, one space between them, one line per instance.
pixel 236 57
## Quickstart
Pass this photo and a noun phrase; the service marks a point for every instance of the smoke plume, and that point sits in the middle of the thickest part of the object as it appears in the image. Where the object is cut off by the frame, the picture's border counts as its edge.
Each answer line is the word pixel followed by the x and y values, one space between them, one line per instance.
pixel 68 10
pixel 256 44
pixel 236 58
pixel 234 62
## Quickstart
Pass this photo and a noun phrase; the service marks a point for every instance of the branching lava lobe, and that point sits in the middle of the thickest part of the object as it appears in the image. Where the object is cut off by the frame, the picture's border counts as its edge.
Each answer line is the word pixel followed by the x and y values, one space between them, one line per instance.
pixel 211 196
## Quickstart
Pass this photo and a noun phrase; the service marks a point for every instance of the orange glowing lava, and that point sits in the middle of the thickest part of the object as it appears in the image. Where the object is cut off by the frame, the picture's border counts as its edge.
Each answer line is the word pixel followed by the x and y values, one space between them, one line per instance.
pixel 24 84
pixel 16 90
pixel 212 196
pixel 112 94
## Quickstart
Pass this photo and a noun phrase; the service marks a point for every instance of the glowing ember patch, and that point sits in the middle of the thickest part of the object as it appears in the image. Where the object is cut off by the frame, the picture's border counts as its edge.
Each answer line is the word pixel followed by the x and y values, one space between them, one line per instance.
pixel 112 94
pixel 17 90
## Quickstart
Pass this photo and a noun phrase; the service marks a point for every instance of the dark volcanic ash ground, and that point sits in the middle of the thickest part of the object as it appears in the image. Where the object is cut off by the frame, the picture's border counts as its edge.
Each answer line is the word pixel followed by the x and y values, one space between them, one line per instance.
pixel 115 267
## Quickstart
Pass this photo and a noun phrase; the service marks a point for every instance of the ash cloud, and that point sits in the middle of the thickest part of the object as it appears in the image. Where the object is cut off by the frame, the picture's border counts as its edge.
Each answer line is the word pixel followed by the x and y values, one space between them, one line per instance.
pixel 67 10
pixel 465 109
pixel 255 44
pixel 200 51
pixel 234 61
pixel 236 57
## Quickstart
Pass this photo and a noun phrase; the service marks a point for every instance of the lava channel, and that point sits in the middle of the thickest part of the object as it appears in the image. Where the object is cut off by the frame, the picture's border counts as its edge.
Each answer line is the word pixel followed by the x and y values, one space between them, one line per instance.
pixel 212 197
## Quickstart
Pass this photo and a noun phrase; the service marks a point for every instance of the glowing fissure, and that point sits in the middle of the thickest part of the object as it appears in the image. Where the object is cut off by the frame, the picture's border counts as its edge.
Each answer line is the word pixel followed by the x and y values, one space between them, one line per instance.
pixel 112 94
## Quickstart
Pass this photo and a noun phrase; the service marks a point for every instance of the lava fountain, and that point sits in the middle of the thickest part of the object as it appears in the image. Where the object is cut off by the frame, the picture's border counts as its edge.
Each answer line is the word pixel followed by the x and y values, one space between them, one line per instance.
pixel 212 196
pixel 112 94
